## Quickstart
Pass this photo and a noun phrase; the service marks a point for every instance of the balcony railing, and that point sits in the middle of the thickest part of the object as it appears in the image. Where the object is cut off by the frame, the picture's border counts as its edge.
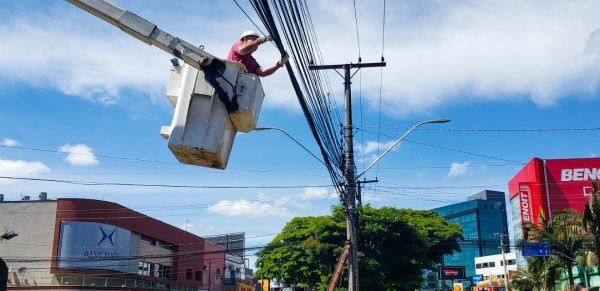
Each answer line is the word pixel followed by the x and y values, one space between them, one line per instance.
pixel 86 281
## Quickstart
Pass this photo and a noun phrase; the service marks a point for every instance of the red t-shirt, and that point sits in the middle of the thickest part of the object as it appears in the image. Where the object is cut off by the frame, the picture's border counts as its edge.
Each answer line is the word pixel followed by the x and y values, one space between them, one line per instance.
pixel 247 60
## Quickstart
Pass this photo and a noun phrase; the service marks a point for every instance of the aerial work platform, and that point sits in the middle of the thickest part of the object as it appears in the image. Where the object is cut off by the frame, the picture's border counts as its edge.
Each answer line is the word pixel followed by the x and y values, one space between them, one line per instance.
pixel 213 98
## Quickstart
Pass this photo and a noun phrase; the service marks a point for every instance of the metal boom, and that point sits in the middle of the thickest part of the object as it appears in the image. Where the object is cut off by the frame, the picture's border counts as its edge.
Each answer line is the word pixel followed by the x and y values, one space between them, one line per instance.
pixel 147 32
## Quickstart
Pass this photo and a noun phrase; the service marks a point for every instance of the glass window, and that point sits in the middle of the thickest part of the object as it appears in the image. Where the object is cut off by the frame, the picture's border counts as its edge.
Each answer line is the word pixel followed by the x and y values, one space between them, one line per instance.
pixel 147 240
pixel 492 264
pixel 477 266
pixel 198 276
pixel 164 271
pixel 164 245
pixel 501 263
pixel 511 262
pixel 189 274
pixel 485 265
pixel 143 268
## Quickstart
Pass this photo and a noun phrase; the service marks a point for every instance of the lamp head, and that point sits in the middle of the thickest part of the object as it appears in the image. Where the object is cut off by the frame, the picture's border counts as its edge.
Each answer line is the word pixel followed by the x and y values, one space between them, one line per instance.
pixel 440 121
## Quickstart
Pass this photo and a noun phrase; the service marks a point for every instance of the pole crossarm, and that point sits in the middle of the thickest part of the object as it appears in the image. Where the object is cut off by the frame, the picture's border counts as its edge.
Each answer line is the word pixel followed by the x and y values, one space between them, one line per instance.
pixel 350 66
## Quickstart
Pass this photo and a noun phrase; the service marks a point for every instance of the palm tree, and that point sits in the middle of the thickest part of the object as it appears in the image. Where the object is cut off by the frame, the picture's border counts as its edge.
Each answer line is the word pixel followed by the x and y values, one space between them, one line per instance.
pixel 540 274
pixel 565 234
pixel 591 220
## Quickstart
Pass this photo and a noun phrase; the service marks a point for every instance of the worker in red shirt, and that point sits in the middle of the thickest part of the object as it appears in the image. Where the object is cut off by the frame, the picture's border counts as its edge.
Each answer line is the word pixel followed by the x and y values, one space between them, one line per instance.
pixel 242 50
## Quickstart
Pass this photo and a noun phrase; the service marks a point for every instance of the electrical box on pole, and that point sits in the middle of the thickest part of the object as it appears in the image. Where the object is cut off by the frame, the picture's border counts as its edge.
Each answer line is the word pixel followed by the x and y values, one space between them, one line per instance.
pixel 212 98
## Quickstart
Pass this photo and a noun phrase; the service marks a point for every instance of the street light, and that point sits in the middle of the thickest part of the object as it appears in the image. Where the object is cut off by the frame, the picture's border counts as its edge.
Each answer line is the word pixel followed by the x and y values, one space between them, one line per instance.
pixel 292 138
pixel 399 140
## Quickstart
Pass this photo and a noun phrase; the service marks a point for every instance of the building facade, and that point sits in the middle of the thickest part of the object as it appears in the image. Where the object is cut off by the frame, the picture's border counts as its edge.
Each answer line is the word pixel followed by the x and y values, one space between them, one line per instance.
pixel 483 220
pixel 492 270
pixel 546 186
pixel 83 244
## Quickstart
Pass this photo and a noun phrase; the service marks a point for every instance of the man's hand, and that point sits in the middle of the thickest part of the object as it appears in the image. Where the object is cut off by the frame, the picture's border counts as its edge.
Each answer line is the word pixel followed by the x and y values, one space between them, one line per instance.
pixel 265 39
pixel 283 60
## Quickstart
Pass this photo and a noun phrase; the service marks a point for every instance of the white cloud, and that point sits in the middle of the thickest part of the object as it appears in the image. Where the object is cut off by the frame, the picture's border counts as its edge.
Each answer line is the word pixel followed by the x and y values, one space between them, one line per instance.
pixel 372 150
pixel 267 206
pixel 459 169
pixel 19 168
pixel 313 193
pixel 437 53
pixel 593 155
pixel 10 142
pixel 59 46
pixel 79 155
pixel 243 207
pixel 470 51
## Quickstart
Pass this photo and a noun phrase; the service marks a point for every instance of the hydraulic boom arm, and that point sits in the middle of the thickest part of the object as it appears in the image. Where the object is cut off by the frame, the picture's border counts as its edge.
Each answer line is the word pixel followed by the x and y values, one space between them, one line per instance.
pixel 148 32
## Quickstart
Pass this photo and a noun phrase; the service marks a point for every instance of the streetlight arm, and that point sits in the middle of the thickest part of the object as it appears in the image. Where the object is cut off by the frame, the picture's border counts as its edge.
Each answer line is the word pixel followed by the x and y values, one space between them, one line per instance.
pixel 292 138
pixel 398 141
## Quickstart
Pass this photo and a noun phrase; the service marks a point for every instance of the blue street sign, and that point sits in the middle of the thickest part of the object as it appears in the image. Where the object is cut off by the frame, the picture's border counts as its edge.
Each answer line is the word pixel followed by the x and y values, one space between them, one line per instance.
pixel 478 278
pixel 535 249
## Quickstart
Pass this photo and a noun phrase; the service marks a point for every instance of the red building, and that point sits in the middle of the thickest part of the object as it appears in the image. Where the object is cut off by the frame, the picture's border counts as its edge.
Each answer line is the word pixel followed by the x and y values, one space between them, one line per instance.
pixel 550 185
pixel 99 245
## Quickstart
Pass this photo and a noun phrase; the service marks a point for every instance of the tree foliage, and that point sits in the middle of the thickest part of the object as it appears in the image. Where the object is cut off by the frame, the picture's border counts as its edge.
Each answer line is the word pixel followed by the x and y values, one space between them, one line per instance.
pixel 391 242
pixel 565 234
pixel 591 221
pixel 540 274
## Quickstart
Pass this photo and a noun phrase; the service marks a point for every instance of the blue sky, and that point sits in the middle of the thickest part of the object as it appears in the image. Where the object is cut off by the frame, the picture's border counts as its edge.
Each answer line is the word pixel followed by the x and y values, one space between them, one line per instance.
pixel 69 82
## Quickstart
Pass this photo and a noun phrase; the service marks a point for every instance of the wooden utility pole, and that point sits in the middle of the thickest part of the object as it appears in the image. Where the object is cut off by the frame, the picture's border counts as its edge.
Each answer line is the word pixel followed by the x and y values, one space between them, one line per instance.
pixel 350 185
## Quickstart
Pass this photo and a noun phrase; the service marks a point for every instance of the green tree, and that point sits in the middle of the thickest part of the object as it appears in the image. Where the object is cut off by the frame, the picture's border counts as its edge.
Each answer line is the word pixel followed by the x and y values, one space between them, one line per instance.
pixel 591 221
pixel 391 242
pixel 565 234
pixel 440 240
pixel 540 274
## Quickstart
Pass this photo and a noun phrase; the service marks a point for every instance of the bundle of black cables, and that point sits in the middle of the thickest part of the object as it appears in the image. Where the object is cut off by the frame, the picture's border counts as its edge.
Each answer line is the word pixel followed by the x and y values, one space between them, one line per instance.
pixel 312 88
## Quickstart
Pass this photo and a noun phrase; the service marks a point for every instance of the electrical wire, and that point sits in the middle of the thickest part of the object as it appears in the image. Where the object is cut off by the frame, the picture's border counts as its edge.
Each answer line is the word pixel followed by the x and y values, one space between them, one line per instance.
pixel 357 31
pixel 450 149
pixel 84 154
pixel 490 129
pixel 249 18
pixel 150 161
pixel 93 183
pixel 310 86
pixel 380 91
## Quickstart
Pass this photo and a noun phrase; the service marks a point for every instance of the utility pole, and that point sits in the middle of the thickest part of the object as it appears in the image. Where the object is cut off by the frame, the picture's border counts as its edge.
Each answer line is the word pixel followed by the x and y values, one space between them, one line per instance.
pixel 350 184
pixel 502 247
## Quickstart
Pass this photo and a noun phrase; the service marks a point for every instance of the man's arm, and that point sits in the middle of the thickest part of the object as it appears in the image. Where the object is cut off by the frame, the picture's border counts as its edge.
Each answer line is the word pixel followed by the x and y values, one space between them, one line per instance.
pixel 268 71
pixel 251 45
pixel 248 47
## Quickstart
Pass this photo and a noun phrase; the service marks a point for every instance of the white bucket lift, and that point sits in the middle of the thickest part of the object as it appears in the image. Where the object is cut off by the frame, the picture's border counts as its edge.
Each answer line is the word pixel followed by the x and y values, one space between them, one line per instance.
pixel 202 131
pixel 249 92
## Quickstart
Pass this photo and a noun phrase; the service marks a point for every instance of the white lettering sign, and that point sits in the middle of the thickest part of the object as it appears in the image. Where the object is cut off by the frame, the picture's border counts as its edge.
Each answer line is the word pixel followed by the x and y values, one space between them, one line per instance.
pixel 91 245
pixel 579 174
pixel 525 202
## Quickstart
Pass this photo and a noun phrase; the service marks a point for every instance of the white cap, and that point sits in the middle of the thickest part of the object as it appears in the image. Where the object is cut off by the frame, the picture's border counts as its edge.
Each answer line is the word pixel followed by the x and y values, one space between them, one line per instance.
pixel 249 33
